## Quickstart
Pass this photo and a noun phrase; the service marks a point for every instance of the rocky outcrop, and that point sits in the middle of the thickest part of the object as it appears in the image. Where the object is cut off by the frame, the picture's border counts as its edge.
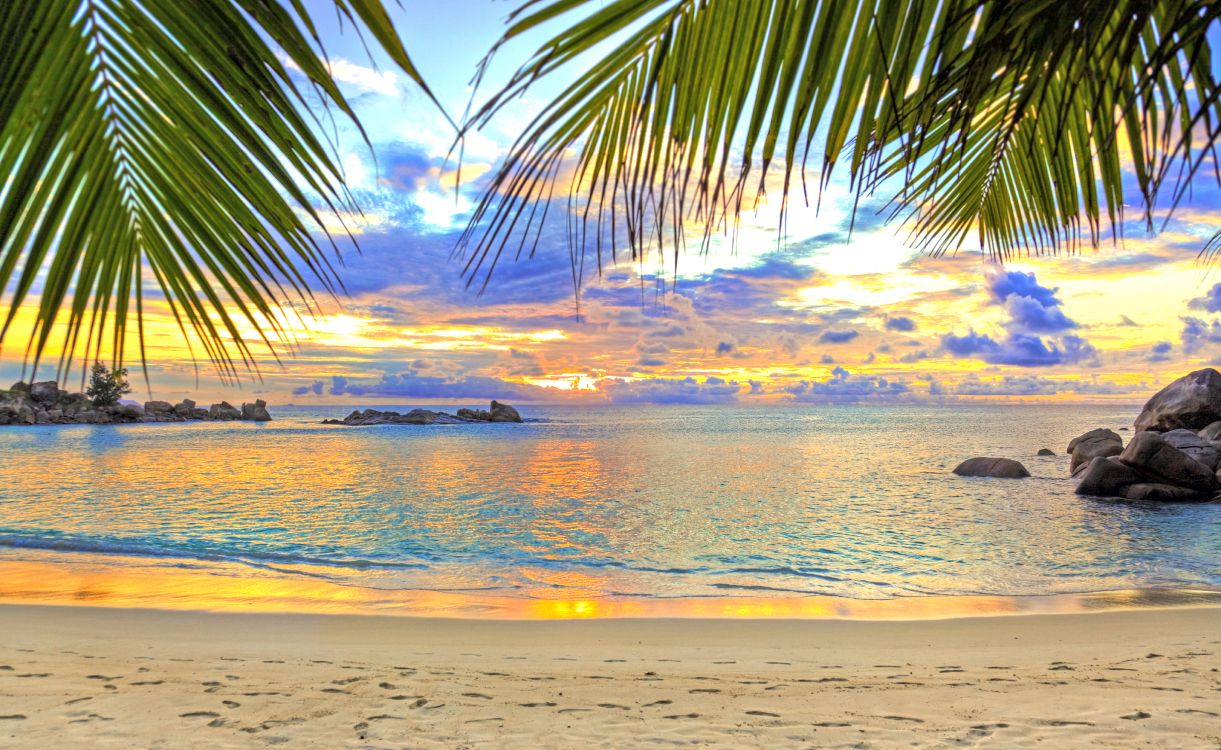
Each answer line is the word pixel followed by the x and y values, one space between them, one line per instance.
pixel 256 412
pixel 1152 456
pixel 46 403
pixel 497 413
pixel 1107 477
pixel 1098 443
pixel 1152 468
pixel 1204 451
pixel 1192 402
pixel 1003 468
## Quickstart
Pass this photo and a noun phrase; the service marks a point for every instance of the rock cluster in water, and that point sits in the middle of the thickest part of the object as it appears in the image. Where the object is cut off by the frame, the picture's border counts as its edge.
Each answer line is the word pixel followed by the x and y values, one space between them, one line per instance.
pixel 1174 455
pixel 47 403
pixel 498 412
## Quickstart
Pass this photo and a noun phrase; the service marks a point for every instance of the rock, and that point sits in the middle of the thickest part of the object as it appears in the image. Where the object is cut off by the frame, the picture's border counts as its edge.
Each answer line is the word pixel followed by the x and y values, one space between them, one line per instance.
pixel 130 411
pixel 504 413
pixel 21 386
pixel 46 392
pixel 1194 446
pixel 1045 452
pixel 185 408
pixel 1151 455
pixel 1192 402
pixel 224 411
pixel 475 415
pixel 1164 493
pixel 256 412
pixel 1093 444
pixel 1004 468
pixel 1211 432
pixel 1107 477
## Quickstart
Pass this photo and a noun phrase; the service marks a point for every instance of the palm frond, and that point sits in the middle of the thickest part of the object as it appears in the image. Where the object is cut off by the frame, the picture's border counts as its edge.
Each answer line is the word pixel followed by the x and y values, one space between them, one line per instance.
pixel 168 143
pixel 1013 120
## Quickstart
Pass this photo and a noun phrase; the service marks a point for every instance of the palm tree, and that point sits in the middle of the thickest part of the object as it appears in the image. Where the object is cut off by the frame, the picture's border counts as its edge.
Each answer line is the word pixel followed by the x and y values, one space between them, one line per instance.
pixel 151 136
pixel 168 138
pixel 1010 124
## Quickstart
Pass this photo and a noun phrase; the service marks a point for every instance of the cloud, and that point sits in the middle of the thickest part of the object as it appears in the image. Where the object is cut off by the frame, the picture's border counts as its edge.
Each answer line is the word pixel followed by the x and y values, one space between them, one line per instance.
pixel 838 337
pixel 1004 284
pixel 1031 315
pixel 412 385
pixel 712 390
pixel 1210 302
pixel 1160 352
pixel 842 387
pixel 314 388
pixel 1198 334
pixel 900 323
pixel 1021 350
pixel 724 347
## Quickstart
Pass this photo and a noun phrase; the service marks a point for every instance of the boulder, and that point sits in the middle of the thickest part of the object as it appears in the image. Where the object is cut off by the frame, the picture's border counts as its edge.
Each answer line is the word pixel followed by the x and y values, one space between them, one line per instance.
pixel 130 411
pixel 256 412
pixel 1003 468
pixel 224 410
pixel 504 413
pixel 1151 455
pixel 185 408
pixel 475 415
pixel 1192 402
pixel 1046 452
pixel 21 386
pixel 46 392
pixel 1164 493
pixel 1098 443
pixel 1107 477
pixel 1195 446
pixel 1211 432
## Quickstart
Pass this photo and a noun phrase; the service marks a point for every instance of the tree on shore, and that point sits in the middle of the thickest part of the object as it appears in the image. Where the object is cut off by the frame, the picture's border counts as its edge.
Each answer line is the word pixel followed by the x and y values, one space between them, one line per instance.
pixel 106 387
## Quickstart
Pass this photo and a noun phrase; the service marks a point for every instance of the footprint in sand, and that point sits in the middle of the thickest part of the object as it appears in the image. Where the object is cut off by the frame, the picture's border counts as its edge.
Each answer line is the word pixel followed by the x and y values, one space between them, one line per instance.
pixel 613 705
pixel 477 695
pixel 682 716
pixel 385 686
pixel 148 682
pixel 547 704
pixel 768 714
pixel 697 691
pixel 1137 716
pixel 904 718
pixel 199 715
pixel 1066 723
pixel 231 704
pixel 829 724
pixel 12 717
pixel 657 703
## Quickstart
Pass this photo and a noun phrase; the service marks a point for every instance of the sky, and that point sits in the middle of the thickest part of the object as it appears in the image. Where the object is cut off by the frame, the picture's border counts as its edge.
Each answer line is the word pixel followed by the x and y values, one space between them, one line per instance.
pixel 820 315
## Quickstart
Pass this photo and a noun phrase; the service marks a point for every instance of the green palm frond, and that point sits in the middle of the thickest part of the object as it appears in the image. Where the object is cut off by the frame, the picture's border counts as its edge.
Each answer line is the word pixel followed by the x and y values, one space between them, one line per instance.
pixel 1013 120
pixel 168 140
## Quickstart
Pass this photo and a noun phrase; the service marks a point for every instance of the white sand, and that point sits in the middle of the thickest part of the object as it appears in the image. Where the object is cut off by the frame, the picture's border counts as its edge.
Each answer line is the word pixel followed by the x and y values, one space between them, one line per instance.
pixel 95 677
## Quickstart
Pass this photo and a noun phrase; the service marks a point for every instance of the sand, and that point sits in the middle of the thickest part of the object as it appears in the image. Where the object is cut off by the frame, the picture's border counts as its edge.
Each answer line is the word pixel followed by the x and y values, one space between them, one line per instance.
pixel 98 677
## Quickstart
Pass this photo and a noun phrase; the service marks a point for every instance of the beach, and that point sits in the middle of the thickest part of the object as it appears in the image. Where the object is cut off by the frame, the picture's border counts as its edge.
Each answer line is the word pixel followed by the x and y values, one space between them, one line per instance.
pixel 114 677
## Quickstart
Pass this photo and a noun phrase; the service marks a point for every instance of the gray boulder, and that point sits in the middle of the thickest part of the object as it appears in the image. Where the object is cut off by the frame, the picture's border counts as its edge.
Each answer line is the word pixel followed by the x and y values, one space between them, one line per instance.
pixel 475 415
pixel 504 413
pixel 46 392
pixel 1045 452
pixel 224 411
pixel 132 412
pixel 1107 477
pixel 256 412
pixel 1192 402
pixel 1164 493
pixel 185 408
pixel 1098 443
pixel 1151 455
pixel 1002 468
pixel 1195 446
pixel 1211 432
pixel 21 387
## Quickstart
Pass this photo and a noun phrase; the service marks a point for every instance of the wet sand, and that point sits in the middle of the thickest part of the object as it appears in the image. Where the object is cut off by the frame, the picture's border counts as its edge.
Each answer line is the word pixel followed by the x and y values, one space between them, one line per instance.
pixel 99 677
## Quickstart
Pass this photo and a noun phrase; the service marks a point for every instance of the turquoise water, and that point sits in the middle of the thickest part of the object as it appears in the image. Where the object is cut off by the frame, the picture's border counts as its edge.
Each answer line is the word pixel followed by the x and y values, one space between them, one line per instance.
pixel 621 503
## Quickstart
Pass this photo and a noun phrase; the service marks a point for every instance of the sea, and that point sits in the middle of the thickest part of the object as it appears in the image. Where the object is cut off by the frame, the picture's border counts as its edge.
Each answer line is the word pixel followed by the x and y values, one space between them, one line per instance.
pixel 793 510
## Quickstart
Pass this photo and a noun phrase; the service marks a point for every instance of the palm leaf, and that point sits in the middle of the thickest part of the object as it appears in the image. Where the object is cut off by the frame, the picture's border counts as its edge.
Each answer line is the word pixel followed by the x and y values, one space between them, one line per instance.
pixel 1014 122
pixel 165 142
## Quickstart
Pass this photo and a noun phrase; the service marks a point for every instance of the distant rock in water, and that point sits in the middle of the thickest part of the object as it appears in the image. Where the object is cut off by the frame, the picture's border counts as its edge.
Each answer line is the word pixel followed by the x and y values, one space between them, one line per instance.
pixel 1001 468
pixel 1045 452
pixel 46 403
pixel 1192 402
pixel 497 413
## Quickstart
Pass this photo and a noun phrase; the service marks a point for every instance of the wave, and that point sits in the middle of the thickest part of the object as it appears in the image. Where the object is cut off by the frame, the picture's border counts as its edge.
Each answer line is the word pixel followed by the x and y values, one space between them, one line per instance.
pixel 170 551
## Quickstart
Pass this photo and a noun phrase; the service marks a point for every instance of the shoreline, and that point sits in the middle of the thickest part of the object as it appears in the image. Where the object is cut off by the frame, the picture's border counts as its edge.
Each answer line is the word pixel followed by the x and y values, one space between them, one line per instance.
pixel 101 581
pixel 138 677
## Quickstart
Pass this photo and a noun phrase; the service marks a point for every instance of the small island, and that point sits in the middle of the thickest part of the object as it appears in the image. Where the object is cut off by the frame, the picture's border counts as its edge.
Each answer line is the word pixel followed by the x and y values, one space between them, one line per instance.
pixel 497 412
